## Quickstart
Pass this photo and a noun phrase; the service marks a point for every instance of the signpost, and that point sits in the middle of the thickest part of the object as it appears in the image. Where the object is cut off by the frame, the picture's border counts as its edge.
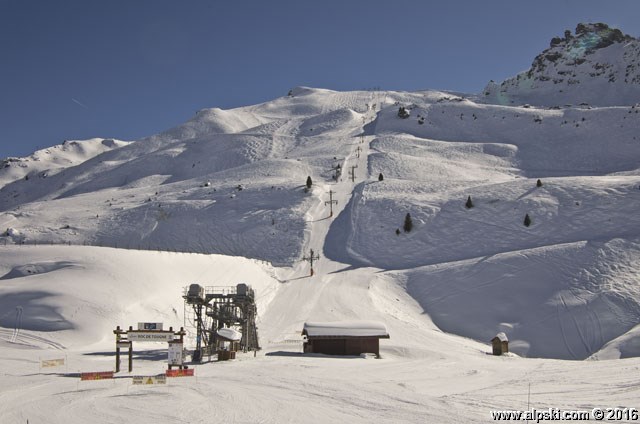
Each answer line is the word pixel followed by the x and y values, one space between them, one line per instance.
pixel 150 332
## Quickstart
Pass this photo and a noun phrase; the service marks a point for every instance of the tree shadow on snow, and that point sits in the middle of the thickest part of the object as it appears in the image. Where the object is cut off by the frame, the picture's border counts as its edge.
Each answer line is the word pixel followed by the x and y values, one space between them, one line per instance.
pixel 528 192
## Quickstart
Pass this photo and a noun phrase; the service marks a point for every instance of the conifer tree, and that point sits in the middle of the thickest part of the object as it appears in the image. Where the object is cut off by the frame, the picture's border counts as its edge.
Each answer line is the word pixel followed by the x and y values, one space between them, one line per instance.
pixel 309 182
pixel 408 223
pixel 380 177
pixel 538 183
pixel 527 220
pixel 469 203
pixel 402 112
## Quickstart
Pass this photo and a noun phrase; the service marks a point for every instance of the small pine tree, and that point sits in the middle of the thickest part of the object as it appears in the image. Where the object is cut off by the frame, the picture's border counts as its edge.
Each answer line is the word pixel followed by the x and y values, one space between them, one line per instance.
pixel 397 231
pixel 408 223
pixel 309 182
pixel 527 220
pixel 380 177
pixel 469 203
pixel 538 183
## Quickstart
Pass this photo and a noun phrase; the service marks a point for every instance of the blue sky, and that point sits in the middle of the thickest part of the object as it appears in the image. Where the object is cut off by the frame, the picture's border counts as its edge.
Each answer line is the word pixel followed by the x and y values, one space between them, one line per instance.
pixel 128 69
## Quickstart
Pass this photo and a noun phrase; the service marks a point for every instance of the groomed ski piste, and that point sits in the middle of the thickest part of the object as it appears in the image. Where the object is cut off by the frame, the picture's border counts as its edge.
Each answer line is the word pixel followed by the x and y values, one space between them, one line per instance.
pixel 111 234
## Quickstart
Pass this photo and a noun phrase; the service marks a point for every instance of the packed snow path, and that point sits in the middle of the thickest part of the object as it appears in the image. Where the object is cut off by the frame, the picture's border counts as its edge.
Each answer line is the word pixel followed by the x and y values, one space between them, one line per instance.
pixel 322 296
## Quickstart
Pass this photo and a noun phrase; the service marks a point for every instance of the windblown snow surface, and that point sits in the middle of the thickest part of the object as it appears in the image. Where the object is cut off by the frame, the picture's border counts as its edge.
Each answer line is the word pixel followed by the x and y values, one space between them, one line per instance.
pixel 112 237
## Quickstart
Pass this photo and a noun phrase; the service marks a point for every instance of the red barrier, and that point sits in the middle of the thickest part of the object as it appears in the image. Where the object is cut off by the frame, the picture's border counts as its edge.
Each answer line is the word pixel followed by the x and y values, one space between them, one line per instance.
pixel 180 373
pixel 100 375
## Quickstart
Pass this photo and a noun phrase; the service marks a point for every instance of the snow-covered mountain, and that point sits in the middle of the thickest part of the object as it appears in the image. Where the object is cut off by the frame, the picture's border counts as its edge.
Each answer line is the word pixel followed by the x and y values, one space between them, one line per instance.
pixel 597 65
pixel 49 161
pixel 232 182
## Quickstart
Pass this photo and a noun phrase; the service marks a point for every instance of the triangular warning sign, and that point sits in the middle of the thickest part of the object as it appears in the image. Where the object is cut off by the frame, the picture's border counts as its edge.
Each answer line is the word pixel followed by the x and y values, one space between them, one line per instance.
pixel 149 381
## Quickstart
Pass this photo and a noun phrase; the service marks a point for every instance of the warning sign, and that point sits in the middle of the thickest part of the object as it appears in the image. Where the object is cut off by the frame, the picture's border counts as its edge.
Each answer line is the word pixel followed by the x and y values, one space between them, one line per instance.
pixel 100 375
pixel 149 379
pixel 50 363
pixel 180 373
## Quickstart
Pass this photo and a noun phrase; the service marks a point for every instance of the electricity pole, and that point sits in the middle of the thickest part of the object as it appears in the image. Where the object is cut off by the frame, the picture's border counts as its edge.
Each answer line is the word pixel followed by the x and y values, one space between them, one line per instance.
pixel 331 202
pixel 353 173
pixel 310 259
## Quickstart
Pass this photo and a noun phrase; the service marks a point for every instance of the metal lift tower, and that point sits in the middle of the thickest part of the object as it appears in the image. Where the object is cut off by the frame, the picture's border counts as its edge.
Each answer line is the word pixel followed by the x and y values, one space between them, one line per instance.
pixel 222 307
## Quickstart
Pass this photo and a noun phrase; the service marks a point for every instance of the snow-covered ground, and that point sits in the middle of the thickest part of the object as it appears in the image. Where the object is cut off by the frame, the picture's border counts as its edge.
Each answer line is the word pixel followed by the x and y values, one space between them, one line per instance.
pixel 101 233
pixel 73 297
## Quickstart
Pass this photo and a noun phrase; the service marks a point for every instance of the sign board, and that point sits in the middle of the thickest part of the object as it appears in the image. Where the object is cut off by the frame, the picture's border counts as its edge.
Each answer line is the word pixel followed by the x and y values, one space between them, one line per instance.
pixel 175 354
pixel 123 345
pixel 180 373
pixel 150 326
pixel 50 363
pixel 100 375
pixel 150 336
pixel 149 379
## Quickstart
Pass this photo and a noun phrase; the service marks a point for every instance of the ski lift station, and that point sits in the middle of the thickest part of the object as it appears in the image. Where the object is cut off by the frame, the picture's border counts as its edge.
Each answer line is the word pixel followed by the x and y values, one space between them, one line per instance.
pixel 225 319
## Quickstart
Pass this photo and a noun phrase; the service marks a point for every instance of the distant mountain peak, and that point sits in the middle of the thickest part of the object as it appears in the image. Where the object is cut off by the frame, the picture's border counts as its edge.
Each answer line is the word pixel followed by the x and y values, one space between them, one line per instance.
pixel 589 37
pixel 597 64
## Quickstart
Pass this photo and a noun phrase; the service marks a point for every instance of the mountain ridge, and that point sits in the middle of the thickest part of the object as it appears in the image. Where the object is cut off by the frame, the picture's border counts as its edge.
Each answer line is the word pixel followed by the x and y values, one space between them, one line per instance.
pixel 603 58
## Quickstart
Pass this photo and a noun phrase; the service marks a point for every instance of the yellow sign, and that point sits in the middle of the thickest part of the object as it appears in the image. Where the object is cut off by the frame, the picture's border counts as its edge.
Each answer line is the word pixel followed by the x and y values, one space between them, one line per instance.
pixel 50 363
pixel 150 379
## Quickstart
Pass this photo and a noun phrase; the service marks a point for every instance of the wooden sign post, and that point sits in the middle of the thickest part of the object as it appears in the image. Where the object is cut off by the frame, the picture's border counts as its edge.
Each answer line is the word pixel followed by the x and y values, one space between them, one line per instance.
pixel 145 335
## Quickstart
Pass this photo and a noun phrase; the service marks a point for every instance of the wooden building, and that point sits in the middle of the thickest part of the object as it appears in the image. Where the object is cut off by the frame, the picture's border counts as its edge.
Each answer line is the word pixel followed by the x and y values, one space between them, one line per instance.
pixel 227 343
pixel 344 337
pixel 500 344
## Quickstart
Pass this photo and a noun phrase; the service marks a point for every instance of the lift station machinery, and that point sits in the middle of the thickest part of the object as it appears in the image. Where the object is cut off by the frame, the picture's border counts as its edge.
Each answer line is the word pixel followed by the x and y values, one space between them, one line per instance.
pixel 215 308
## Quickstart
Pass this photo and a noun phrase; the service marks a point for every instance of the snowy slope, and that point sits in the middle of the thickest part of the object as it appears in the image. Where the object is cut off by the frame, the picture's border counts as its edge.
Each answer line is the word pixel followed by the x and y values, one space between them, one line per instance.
pixel 73 297
pixel 47 162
